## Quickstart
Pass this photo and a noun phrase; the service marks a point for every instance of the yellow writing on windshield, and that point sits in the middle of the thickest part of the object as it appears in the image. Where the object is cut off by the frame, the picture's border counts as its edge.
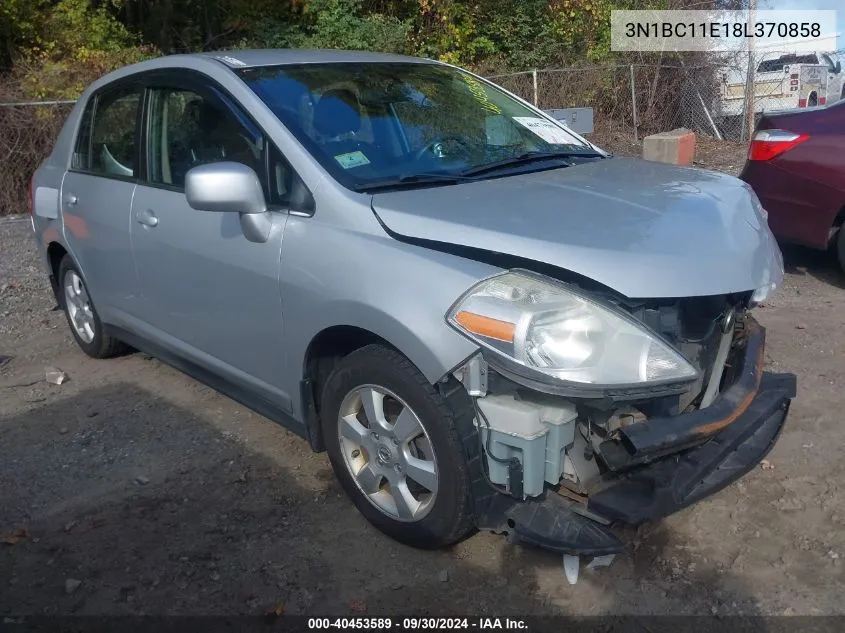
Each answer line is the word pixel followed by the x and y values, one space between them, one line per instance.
pixel 480 94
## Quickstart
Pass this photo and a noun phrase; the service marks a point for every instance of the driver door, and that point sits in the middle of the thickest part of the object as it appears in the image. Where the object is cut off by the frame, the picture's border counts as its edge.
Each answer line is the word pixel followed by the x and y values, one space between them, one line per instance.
pixel 208 293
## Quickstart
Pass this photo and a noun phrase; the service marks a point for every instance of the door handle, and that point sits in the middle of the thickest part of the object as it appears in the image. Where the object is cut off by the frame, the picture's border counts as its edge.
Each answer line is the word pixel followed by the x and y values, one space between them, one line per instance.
pixel 147 218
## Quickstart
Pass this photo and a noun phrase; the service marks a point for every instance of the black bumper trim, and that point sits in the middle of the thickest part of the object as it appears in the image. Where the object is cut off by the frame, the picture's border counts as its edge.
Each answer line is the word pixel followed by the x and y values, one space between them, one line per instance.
pixel 548 523
pixel 650 492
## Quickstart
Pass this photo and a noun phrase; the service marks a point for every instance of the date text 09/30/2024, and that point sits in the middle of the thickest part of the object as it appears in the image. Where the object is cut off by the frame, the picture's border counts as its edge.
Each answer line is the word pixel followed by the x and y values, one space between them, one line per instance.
pixel 421 623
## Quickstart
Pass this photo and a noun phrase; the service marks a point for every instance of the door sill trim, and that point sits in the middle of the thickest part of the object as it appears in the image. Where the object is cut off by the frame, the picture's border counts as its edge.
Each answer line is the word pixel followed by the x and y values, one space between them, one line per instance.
pixel 247 397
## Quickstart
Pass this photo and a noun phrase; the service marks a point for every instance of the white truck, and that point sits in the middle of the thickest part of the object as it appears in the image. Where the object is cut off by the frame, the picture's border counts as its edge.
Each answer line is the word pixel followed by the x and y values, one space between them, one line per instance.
pixel 784 81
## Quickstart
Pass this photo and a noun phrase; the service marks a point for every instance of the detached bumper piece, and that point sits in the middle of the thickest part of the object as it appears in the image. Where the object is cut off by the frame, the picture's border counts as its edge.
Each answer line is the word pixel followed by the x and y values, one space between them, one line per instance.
pixel 657 467
pixel 549 523
pixel 650 440
pixel 672 483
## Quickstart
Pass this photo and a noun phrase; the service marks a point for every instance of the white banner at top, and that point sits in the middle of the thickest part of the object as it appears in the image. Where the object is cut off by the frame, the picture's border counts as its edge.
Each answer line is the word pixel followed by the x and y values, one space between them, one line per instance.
pixel 722 31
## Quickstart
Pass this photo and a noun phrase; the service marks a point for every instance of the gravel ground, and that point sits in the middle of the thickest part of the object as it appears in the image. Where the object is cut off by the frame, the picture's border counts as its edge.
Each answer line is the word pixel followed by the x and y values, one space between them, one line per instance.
pixel 133 489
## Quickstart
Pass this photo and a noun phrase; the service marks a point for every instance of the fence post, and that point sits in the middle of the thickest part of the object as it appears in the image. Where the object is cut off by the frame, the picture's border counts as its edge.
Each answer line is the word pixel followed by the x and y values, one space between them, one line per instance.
pixel 634 104
pixel 534 77
pixel 750 79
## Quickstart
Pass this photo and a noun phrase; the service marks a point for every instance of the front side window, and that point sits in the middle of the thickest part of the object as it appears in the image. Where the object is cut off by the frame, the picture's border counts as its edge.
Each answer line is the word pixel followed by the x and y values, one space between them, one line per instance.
pixel 372 122
pixel 107 142
pixel 189 129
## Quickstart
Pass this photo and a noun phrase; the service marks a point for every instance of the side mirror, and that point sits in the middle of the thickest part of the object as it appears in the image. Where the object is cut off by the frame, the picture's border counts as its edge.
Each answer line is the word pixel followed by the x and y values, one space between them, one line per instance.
pixel 838 68
pixel 229 187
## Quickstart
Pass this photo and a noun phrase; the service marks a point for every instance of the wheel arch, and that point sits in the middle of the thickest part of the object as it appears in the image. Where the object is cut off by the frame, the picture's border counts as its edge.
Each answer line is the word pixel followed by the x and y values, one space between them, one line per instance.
pixel 56 252
pixel 332 343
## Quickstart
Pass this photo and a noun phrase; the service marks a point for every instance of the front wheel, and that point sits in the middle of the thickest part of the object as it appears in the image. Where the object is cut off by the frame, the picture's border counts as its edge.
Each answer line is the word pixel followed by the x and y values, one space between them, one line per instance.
pixel 393 445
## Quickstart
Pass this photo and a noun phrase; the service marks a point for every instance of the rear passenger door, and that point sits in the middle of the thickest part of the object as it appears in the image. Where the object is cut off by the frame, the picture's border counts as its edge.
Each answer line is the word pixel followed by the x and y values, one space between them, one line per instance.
pixel 96 198
pixel 209 294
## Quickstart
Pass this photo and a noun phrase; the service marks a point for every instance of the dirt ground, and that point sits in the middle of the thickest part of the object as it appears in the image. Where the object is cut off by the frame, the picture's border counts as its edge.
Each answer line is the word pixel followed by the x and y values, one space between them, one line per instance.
pixel 142 491
pixel 710 153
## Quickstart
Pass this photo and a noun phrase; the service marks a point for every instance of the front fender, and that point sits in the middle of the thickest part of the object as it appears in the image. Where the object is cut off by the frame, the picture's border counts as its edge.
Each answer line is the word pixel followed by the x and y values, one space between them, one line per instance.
pixel 332 276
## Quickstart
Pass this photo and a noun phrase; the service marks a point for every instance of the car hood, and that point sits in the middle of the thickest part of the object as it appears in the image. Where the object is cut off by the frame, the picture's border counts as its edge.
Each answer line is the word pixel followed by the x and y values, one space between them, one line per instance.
pixel 644 229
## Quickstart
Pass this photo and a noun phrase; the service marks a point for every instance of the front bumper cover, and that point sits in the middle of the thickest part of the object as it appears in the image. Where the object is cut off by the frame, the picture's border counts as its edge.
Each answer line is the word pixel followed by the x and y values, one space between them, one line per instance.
pixel 672 483
pixel 665 466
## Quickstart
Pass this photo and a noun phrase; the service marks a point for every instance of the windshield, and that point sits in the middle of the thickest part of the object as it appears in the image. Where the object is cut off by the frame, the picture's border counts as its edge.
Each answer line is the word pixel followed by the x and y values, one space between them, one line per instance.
pixel 370 123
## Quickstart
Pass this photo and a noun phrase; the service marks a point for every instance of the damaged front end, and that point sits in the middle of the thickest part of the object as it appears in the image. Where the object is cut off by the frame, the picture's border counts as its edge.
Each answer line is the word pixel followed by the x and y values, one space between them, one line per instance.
pixel 560 463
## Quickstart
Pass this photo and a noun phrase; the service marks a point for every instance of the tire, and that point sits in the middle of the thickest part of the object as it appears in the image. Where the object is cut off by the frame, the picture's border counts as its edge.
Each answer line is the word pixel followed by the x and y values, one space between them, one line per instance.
pixel 90 338
pixel 840 247
pixel 427 520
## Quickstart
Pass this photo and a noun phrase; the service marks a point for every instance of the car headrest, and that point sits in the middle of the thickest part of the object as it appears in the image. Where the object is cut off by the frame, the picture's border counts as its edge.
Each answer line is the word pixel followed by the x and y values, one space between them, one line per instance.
pixel 203 115
pixel 337 113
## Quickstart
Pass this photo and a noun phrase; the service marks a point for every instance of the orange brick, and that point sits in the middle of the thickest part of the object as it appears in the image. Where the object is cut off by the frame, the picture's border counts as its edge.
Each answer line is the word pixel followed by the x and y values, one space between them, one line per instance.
pixel 676 147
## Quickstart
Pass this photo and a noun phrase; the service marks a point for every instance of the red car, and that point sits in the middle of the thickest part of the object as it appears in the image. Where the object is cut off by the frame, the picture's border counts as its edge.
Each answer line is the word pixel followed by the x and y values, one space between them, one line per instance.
pixel 796 165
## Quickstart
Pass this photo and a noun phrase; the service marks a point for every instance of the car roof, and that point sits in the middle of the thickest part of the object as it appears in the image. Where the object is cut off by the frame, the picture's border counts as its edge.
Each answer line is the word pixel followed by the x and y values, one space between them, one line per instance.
pixel 216 62
pixel 231 60
pixel 283 56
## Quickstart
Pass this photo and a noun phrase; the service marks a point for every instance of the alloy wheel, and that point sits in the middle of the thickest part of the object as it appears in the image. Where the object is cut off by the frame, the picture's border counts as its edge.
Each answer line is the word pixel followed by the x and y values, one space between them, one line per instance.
pixel 388 452
pixel 79 306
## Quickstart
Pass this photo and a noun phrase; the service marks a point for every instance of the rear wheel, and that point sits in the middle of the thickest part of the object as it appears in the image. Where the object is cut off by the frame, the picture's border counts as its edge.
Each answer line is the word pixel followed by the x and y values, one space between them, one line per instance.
pixel 392 442
pixel 85 324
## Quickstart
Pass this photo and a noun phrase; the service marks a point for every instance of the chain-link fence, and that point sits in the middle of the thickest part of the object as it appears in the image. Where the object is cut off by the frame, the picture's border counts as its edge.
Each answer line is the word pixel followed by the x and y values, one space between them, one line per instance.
pixel 720 99
pixel 27 133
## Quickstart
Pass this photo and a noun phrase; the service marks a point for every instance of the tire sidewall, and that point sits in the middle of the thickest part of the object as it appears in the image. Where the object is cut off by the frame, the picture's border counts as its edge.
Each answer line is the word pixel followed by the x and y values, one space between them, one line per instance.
pixel 439 526
pixel 96 345
pixel 840 248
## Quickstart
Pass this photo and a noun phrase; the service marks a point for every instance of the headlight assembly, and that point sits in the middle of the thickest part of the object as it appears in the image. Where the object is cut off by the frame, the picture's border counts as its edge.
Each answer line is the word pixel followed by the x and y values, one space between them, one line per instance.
pixel 540 325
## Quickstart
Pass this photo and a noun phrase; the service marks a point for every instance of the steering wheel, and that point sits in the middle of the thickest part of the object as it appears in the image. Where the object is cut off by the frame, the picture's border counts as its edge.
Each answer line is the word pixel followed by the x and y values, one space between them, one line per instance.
pixel 435 146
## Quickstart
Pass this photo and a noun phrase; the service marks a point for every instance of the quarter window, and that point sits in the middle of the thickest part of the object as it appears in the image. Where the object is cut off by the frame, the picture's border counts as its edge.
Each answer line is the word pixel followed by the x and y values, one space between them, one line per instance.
pixel 82 152
pixel 287 190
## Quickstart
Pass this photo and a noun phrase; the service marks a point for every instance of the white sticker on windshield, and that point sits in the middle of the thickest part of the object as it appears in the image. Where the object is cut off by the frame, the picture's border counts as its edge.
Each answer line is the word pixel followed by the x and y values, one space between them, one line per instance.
pixel 352 159
pixel 546 130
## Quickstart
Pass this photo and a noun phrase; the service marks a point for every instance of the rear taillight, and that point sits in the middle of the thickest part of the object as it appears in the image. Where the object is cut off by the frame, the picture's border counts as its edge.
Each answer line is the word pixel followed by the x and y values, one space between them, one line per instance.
pixel 767 144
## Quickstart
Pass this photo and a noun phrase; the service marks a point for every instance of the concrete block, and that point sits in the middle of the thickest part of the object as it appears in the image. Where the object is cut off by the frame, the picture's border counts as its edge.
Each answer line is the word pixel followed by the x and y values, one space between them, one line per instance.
pixel 676 147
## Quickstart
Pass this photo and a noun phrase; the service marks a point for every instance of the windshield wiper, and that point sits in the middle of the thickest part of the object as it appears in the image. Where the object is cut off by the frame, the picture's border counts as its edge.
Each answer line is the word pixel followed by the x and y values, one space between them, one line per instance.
pixel 414 179
pixel 528 157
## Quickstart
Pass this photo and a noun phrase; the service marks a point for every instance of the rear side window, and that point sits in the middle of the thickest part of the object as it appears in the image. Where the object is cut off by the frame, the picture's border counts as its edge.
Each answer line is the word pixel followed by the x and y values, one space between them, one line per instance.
pixel 107 144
